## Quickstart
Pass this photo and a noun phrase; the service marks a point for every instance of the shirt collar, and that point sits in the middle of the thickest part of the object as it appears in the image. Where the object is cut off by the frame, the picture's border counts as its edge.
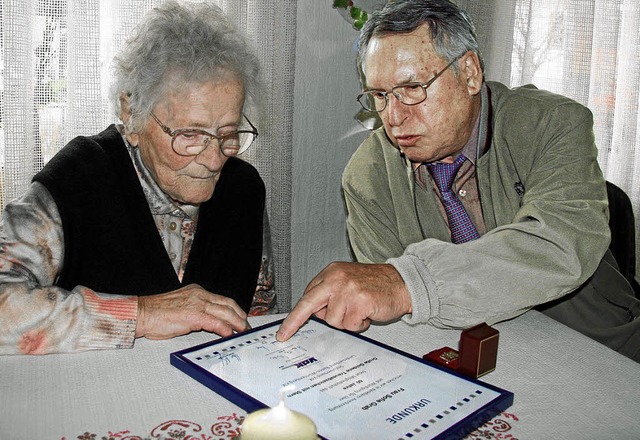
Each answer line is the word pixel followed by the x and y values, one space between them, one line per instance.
pixel 484 129
pixel 477 143
pixel 470 148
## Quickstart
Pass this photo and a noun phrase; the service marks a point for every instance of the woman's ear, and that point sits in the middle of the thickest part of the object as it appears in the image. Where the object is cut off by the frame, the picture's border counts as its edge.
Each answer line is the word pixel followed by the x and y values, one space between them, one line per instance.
pixel 125 115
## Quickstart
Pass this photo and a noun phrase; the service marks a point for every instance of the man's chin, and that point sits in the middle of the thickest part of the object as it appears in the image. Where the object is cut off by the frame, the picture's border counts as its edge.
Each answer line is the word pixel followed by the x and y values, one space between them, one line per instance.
pixel 417 155
pixel 412 154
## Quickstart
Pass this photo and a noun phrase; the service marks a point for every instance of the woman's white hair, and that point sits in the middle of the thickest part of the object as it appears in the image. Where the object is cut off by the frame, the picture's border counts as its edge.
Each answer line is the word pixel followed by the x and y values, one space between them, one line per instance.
pixel 176 45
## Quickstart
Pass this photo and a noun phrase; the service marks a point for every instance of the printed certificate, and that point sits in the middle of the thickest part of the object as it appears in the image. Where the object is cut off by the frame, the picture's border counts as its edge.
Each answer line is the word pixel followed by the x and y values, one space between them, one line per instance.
pixel 351 386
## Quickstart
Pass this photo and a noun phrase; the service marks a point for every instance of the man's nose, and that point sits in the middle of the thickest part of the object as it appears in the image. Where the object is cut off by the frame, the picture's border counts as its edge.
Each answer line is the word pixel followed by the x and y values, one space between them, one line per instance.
pixel 396 110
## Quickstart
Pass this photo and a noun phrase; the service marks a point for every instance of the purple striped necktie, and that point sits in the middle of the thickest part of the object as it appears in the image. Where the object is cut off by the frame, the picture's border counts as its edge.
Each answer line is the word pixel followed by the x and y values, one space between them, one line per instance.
pixel 462 228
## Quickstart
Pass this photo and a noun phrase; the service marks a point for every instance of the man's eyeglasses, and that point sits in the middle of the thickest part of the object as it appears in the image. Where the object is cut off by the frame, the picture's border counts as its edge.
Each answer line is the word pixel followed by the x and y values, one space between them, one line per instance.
pixel 411 93
pixel 191 141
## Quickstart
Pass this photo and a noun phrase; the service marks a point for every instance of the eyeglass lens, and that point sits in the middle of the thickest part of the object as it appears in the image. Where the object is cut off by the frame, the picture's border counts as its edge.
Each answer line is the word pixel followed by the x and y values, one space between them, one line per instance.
pixel 190 143
pixel 409 94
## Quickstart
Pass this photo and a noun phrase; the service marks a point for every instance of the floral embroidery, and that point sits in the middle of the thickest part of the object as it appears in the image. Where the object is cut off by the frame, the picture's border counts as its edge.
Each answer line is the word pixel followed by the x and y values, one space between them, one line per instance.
pixel 228 427
pixel 495 428
pixel 225 427
pixel 188 228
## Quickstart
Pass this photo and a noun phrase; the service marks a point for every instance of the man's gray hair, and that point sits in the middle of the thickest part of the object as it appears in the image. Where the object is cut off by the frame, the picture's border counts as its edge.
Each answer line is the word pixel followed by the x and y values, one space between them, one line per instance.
pixel 452 31
pixel 176 45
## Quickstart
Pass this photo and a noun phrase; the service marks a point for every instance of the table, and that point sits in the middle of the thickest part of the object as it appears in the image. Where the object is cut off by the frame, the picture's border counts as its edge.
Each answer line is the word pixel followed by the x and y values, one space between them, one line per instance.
pixel 565 384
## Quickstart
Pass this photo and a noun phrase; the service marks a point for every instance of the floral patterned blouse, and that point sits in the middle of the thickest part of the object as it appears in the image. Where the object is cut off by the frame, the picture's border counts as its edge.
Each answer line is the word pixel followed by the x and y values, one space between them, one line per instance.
pixel 37 317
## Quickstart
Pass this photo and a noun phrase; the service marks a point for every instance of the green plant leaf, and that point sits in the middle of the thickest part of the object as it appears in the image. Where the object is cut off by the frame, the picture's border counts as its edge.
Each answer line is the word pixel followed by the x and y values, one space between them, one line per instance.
pixel 340 4
pixel 355 12
pixel 360 21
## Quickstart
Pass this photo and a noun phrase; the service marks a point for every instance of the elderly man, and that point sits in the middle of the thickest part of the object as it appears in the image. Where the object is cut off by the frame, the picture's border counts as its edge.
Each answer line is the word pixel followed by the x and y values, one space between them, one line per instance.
pixel 154 227
pixel 475 202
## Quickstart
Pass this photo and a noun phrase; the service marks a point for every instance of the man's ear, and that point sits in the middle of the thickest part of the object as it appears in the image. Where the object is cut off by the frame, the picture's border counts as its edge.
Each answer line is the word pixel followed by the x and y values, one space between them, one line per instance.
pixel 125 115
pixel 471 70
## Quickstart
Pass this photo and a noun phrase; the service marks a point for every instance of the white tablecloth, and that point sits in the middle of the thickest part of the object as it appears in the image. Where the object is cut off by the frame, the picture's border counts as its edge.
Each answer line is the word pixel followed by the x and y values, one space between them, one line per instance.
pixel 566 386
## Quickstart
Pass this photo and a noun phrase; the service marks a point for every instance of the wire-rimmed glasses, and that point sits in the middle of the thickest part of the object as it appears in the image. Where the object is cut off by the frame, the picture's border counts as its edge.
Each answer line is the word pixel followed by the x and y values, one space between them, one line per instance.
pixel 192 141
pixel 410 93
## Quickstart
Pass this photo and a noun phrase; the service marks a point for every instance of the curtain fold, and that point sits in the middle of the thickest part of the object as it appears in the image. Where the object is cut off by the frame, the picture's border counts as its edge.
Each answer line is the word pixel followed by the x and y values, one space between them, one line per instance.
pixel 85 112
pixel 17 123
pixel 272 26
pixel 55 77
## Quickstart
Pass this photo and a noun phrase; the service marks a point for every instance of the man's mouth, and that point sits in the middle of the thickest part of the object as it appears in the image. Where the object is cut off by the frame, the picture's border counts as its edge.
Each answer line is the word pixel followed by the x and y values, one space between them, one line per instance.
pixel 407 140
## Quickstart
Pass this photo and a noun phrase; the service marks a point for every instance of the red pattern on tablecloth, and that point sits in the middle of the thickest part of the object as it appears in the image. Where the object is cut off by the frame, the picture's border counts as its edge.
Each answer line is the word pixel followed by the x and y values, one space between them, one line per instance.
pixel 228 427
pixel 224 428
pixel 497 428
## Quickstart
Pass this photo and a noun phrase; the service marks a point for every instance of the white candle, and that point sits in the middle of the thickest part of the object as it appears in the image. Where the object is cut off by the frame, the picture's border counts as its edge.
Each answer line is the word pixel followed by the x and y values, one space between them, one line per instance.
pixel 278 423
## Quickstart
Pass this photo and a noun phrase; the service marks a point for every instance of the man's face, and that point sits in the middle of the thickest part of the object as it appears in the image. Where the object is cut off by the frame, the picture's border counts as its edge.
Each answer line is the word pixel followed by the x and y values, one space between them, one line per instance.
pixel 214 107
pixel 440 126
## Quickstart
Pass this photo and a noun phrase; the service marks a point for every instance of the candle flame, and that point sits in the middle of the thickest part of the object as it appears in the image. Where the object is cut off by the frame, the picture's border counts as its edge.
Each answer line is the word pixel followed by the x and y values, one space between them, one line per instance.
pixel 283 391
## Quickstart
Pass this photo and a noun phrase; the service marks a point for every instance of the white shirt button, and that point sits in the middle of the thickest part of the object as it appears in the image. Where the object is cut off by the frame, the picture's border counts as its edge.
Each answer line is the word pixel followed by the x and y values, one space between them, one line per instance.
pixel 462 193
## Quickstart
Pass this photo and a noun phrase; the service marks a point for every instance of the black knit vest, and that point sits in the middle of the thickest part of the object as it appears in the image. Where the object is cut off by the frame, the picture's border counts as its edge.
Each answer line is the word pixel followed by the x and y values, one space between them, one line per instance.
pixel 112 245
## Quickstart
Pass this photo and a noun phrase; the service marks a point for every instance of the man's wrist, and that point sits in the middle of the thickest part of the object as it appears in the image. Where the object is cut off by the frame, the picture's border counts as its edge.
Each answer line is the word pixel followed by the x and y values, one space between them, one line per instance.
pixel 401 292
pixel 417 286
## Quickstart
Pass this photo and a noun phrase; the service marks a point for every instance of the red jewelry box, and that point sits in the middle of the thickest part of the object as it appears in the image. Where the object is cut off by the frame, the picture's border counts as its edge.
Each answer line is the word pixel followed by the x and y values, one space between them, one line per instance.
pixel 477 352
pixel 446 356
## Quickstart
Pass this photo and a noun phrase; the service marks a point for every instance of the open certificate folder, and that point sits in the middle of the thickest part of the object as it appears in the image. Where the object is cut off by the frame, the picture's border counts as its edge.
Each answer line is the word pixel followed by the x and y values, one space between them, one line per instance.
pixel 351 386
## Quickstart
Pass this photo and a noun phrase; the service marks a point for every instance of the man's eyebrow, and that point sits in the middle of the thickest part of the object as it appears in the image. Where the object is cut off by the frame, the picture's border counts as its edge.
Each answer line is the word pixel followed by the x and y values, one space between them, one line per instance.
pixel 411 79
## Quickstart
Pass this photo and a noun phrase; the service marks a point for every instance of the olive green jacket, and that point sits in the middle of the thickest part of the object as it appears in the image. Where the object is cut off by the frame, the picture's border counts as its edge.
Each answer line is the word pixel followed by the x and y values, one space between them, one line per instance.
pixel 539 247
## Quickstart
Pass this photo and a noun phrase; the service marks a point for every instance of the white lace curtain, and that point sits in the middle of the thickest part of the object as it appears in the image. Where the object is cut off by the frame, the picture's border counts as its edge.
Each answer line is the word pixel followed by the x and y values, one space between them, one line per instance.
pixel 55 60
pixel 586 49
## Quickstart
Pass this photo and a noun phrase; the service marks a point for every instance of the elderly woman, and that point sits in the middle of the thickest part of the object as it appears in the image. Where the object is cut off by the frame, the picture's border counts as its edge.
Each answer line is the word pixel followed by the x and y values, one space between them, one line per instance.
pixel 154 227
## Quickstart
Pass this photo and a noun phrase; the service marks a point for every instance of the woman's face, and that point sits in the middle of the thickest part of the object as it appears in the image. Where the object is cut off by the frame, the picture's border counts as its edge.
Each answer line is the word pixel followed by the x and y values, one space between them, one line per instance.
pixel 214 107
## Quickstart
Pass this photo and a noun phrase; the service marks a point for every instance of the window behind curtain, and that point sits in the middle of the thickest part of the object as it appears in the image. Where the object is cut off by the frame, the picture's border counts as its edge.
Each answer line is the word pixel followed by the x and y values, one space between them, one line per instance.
pixel 588 50
pixel 54 78
pixel 581 49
